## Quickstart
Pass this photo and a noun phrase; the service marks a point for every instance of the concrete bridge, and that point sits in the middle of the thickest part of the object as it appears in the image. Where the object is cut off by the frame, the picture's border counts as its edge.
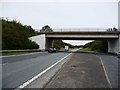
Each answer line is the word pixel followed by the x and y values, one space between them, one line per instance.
pixel 44 39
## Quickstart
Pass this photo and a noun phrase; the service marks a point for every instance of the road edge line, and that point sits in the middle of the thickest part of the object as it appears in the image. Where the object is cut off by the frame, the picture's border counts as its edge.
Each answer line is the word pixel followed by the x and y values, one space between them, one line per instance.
pixel 106 75
pixel 40 74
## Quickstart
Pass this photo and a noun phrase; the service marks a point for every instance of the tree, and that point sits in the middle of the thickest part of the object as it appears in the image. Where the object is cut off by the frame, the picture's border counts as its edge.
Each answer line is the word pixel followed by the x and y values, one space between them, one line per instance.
pixel 46 29
pixel 15 35
pixel 98 45
pixel 57 44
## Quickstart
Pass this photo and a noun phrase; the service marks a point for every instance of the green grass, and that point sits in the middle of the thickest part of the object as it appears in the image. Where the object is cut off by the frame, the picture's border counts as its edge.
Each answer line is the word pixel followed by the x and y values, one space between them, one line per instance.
pixel 14 53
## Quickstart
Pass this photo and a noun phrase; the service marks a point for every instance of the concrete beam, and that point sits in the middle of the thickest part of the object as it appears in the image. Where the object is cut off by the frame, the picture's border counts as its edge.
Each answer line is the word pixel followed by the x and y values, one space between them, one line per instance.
pixel 82 36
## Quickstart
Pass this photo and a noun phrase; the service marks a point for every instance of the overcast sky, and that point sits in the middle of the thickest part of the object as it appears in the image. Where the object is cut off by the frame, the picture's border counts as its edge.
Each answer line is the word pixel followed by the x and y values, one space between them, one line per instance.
pixel 63 14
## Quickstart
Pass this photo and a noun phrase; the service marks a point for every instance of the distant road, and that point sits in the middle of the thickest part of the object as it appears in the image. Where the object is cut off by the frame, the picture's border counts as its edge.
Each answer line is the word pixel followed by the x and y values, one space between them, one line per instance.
pixel 19 69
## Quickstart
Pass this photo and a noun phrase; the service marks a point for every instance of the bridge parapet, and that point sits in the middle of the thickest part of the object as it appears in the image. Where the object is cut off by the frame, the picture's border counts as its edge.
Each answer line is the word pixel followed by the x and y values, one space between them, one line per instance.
pixel 82 30
pixel 77 29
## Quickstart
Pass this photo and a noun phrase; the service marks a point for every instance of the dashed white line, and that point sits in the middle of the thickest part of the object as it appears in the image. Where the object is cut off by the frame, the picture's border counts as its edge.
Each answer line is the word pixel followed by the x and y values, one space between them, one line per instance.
pixel 37 76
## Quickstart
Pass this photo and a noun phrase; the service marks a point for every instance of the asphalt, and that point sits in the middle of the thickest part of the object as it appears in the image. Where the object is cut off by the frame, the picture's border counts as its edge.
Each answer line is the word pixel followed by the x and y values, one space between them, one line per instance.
pixel 111 65
pixel 81 71
pixel 18 69
pixel 15 58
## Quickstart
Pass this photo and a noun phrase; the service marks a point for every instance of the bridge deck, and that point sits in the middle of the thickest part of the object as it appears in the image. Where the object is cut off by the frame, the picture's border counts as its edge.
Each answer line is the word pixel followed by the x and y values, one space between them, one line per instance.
pixel 81 35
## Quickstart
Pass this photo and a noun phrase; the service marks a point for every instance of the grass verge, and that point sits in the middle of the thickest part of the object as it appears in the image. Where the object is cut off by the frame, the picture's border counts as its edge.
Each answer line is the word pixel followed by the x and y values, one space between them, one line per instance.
pixel 13 53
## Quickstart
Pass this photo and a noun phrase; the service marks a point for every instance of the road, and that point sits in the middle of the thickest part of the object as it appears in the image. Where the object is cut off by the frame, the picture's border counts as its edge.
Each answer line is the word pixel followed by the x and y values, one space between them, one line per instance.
pixel 19 69
pixel 83 70
pixel 111 63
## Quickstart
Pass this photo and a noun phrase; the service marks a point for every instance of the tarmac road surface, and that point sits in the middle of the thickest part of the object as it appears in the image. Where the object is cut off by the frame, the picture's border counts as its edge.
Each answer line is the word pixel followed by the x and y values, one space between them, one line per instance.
pixel 18 69
pixel 85 70
pixel 82 70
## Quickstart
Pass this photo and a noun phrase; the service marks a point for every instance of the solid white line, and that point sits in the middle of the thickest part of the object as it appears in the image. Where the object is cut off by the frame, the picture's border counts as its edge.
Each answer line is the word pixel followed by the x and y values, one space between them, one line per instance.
pixel 108 80
pixel 37 76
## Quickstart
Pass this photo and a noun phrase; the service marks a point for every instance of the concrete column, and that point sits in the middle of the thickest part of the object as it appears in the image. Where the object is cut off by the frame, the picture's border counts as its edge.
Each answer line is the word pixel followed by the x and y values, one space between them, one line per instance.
pixel 48 44
pixel 113 46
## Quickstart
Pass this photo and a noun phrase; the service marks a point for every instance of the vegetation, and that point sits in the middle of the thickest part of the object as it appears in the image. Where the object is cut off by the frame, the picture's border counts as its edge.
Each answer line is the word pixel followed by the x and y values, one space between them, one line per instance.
pixel 14 53
pixel 97 45
pixel 46 29
pixel 58 44
pixel 15 36
pixel 72 46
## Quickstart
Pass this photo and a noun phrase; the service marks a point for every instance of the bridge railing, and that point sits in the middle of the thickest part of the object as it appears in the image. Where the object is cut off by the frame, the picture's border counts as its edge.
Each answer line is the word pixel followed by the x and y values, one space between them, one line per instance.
pixel 83 30
pixel 80 30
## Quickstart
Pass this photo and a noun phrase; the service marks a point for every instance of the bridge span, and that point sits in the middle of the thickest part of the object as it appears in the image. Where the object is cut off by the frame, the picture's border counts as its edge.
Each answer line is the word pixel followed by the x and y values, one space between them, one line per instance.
pixel 81 35
pixel 113 37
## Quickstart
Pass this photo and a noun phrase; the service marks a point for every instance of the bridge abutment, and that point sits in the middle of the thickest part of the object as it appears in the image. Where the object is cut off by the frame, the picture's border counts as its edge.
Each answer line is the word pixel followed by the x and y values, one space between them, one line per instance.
pixel 40 40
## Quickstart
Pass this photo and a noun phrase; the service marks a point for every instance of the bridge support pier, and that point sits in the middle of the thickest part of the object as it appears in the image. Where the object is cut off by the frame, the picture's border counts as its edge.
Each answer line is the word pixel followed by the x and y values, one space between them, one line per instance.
pixel 114 45
pixel 49 44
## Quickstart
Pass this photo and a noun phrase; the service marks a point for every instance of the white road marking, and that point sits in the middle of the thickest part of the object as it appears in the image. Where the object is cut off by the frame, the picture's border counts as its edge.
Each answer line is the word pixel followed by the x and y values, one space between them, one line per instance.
pixel 108 80
pixel 37 76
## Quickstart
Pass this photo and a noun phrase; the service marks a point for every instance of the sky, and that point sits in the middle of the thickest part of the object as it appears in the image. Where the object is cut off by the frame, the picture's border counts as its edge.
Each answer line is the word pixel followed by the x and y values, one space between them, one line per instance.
pixel 63 14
